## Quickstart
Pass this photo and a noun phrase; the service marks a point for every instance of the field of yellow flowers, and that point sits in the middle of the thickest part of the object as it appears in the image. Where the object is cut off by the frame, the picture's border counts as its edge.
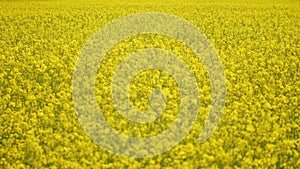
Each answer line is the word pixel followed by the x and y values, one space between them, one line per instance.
pixel 259 46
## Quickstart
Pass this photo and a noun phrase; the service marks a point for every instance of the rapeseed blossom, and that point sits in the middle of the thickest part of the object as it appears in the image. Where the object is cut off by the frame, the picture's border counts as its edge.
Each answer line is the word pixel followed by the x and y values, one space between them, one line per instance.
pixel 258 44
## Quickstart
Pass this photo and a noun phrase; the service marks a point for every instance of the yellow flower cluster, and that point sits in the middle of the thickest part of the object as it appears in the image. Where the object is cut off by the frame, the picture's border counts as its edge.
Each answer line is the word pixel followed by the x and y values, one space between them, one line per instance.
pixel 258 43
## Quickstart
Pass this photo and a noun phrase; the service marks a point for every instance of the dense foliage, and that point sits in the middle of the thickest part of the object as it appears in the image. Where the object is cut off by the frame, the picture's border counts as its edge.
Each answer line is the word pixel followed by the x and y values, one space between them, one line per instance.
pixel 258 43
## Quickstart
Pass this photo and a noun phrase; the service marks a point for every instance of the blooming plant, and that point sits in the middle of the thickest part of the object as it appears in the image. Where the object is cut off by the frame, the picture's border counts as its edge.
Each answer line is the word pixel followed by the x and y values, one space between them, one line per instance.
pixel 258 44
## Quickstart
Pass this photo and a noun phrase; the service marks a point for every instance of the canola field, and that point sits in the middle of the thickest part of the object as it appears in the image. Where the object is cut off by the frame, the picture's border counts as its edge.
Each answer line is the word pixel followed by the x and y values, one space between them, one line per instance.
pixel 258 43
